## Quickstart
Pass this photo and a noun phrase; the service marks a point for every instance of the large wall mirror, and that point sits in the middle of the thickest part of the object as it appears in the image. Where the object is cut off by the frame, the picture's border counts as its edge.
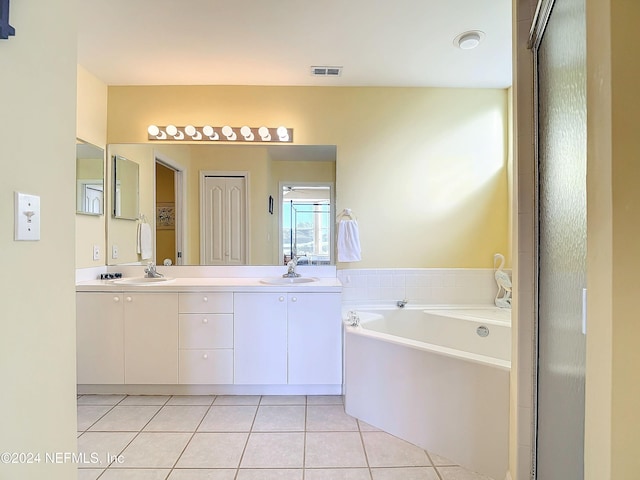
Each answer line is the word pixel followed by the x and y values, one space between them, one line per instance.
pixel 89 179
pixel 172 198
pixel 125 188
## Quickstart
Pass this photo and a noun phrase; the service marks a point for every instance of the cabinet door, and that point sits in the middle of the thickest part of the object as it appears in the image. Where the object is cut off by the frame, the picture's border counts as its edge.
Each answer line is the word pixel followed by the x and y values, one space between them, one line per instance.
pixel 151 338
pixel 99 338
pixel 260 338
pixel 315 339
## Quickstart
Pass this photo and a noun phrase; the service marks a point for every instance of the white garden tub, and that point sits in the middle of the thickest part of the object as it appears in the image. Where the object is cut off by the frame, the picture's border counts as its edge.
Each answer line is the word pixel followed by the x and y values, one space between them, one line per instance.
pixel 438 378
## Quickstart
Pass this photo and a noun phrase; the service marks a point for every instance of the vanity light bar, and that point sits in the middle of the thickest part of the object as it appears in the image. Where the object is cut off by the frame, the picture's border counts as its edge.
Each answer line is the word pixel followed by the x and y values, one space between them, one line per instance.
pixel 226 133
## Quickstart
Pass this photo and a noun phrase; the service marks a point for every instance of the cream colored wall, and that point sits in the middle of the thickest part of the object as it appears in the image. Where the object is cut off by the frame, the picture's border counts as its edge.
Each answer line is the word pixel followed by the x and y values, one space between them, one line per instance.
pixel 91 115
pixel 612 437
pixel 438 156
pixel 37 344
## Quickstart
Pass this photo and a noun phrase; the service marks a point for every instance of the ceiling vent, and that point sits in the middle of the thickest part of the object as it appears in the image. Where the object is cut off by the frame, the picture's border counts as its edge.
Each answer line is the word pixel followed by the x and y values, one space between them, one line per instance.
pixel 326 71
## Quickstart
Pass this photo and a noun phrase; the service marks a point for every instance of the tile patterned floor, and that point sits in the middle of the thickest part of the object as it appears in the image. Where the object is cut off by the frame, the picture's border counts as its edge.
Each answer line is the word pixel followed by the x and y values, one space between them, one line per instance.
pixel 243 438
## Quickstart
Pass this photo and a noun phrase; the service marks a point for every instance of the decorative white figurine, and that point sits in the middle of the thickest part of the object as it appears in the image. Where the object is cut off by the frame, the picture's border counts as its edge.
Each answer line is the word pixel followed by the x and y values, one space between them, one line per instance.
pixel 503 296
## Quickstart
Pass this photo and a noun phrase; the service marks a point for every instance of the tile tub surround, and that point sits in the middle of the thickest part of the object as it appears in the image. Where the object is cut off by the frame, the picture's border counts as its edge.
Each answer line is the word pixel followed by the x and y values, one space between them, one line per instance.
pixel 424 286
pixel 249 437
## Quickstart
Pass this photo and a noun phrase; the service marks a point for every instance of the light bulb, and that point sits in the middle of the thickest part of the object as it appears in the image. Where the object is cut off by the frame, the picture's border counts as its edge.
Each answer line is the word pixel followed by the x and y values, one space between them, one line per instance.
pixel 153 130
pixel 264 134
pixel 247 133
pixel 228 132
pixel 283 134
pixel 190 130
pixel 171 130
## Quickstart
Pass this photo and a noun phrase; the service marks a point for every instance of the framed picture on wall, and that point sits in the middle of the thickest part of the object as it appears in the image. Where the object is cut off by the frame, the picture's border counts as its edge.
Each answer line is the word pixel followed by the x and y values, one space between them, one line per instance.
pixel 165 216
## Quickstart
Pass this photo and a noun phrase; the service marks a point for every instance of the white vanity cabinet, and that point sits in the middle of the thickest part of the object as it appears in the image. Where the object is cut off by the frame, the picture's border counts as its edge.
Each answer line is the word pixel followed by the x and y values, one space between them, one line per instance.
pixel 151 338
pixel 205 338
pixel 100 338
pixel 287 338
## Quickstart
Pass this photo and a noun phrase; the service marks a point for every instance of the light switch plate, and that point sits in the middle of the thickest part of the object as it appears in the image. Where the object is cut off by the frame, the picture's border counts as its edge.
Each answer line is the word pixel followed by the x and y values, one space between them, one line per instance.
pixel 114 251
pixel 96 252
pixel 27 217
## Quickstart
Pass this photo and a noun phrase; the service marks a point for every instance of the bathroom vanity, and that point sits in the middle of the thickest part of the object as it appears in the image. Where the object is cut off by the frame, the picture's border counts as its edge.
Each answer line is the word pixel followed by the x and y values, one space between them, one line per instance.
pixel 209 336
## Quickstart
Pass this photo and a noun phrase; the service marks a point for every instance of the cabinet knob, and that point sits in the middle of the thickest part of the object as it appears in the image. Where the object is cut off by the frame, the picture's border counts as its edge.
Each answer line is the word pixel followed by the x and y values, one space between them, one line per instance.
pixel 205 320
pixel 205 356
pixel 294 299
pixel 281 299
pixel 116 299
pixel 205 299
pixel 129 299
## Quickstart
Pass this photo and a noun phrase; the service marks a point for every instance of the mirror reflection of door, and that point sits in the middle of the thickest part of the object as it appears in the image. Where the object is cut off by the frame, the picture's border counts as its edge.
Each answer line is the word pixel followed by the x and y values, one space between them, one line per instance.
pixel 165 215
pixel 307 226
pixel 223 224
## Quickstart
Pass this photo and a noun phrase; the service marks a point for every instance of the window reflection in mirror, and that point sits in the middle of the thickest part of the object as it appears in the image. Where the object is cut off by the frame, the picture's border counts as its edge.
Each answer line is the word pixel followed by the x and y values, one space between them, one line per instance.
pixel 125 188
pixel 89 179
pixel 307 226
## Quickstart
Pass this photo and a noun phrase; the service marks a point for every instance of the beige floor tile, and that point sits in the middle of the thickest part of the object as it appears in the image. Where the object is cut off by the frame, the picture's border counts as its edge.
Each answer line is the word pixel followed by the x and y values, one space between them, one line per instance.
pixel 237 400
pixel 459 473
pixel 102 445
pixel 283 400
pixel 203 474
pixel 365 427
pixel 329 418
pixel 274 450
pixel 439 460
pixel 135 474
pixel 191 400
pixel 145 400
pixel 325 400
pixel 153 450
pixel 177 418
pixel 90 414
pixel 269 474
pixel 126 418
pixel 278 418
pixel 334 449
pixel 404 473
pixel 337 474
pixel 100 399
pixel 228 418
pixel 89 473
pixel 213 450
pixel 384 450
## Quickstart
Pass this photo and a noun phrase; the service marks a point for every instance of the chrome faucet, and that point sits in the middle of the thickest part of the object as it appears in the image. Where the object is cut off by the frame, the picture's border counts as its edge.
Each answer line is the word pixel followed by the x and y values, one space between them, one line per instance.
pixel 353 319
pixel 402 303
pixel 151 271
pixel 291 268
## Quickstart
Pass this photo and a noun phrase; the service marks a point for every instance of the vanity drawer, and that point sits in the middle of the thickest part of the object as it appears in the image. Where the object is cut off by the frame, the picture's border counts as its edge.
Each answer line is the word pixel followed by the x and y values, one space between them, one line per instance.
pixel 206 330
pixel 213 302
pixel 206 366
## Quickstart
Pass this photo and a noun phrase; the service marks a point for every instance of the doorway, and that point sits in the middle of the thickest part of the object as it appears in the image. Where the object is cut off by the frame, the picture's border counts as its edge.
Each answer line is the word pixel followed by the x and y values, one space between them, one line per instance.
pixel 169 204
pixel 560 59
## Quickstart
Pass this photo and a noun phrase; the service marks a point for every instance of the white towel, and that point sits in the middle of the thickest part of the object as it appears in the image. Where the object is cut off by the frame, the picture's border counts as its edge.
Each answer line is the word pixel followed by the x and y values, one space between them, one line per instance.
pixel 348 241
pixel 144 241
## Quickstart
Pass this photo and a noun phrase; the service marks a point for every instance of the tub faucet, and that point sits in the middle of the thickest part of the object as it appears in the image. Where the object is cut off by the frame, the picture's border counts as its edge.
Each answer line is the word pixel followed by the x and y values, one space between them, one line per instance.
pixel 353 319
pixel 402 303
pixel 291 268
pixel 151 271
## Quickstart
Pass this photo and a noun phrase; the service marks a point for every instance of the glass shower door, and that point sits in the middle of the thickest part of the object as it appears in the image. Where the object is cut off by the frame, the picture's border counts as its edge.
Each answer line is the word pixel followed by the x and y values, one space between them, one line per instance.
pixel 561 68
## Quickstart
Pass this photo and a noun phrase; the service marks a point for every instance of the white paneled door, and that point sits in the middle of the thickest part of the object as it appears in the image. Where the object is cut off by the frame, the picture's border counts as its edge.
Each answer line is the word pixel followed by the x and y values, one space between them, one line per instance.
pixel 223 221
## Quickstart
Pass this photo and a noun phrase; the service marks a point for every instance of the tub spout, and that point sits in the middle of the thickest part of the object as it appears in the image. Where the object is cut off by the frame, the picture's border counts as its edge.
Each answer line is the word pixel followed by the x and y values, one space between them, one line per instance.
pixel 402 303
pixel 353 319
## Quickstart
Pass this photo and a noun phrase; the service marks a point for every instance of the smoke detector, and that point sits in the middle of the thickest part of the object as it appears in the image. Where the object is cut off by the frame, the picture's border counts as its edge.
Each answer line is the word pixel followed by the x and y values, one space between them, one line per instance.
pixel 325 71
pixel 468 40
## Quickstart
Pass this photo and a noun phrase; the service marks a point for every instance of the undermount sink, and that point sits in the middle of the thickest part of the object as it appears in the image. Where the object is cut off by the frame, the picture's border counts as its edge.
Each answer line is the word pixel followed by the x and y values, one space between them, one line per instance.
pixel 143 281
pixel 288 280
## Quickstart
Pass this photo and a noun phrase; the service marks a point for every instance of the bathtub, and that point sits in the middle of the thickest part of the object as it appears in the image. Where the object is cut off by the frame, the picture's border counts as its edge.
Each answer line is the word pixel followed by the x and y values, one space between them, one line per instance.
pixel 438 378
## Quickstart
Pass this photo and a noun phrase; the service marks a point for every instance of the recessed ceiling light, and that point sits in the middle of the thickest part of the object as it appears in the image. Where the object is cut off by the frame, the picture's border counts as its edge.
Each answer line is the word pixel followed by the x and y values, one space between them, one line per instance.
pixel 468 40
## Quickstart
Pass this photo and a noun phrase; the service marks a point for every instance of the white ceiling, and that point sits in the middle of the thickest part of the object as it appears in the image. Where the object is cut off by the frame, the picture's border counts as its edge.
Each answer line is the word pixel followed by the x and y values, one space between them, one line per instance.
pixel 275 42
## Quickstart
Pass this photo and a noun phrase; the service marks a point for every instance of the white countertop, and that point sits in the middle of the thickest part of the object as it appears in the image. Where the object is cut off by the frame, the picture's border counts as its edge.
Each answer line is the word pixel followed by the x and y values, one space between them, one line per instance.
pixel 213 284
